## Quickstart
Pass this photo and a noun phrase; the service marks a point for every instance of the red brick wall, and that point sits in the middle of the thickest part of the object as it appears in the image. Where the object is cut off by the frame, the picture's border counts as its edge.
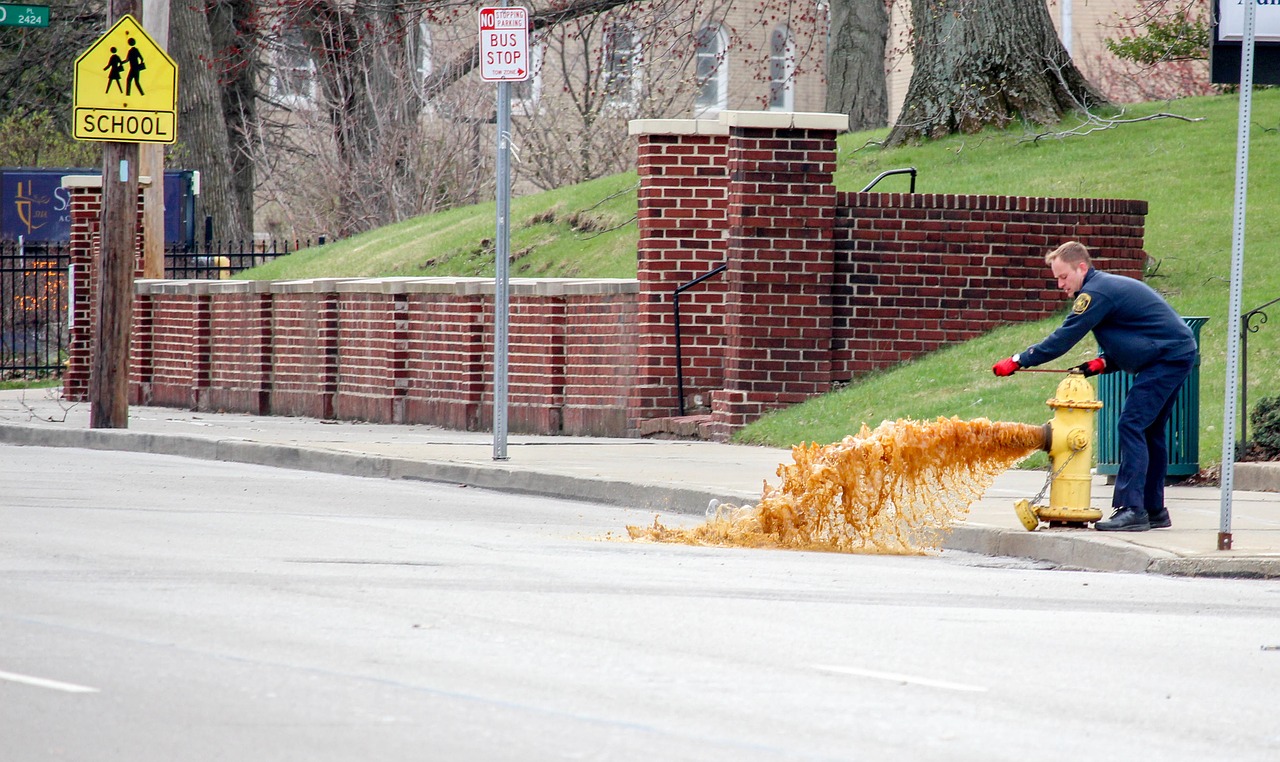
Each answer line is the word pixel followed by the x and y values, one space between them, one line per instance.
pixel 819 287
pixel 600 355
pixel 178 361
pixel 445 345
pixel 535 352
pixel 304 343
pixel 914 272
pixel 240 318
pixel 373 353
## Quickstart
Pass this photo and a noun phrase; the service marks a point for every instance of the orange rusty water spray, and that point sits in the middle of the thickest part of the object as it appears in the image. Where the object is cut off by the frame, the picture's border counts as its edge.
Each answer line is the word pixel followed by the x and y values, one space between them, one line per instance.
pixel 897 488
pixel 1069 442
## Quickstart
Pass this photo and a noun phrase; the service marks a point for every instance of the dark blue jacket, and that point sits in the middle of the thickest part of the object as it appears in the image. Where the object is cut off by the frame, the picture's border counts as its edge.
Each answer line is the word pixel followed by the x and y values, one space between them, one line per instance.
pixel 1134 326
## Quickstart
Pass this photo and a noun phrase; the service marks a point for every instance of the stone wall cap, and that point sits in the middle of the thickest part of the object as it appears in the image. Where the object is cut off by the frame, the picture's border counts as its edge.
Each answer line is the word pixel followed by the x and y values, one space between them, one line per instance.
pixel 239 286
pixel 388 285
pixel 95 181
pixel 785 120
pixel 596 286
pixel 444 284
pixel 676 127
pixel 308 286
pixel 178 287
pixel 82 181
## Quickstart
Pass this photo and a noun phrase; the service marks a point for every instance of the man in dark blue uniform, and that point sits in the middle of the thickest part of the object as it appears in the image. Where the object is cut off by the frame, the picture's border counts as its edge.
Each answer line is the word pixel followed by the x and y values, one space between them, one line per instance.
pixel 1138 332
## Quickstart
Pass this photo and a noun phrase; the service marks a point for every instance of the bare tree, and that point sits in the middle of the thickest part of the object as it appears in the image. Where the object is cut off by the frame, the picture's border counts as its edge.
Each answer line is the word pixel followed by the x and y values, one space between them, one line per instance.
pixel 37 65
pixel 210 142
pixel 987 62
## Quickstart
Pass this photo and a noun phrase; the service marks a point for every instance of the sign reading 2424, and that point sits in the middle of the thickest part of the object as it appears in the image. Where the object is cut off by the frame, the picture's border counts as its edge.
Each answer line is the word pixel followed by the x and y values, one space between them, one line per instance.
pixel 504 44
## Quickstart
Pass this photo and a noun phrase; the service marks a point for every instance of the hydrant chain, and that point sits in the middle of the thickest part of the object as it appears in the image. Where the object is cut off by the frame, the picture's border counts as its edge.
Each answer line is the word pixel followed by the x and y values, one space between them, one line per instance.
pixel 1049 481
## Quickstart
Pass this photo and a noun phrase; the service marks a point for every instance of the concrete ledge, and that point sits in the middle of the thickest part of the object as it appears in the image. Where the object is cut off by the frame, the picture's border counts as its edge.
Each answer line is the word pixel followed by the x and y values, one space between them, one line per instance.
pixel 785 120
pixel 602 286
pixel 1257 477
pixel 239 286
pixel 390 285
pixel 446 285
pixel 309 286
pixel 396 285
pixel 676 127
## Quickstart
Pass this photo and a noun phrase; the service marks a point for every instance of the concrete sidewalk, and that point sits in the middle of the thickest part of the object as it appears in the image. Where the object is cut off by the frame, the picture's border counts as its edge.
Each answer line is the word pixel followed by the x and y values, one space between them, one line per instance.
pixel 659 475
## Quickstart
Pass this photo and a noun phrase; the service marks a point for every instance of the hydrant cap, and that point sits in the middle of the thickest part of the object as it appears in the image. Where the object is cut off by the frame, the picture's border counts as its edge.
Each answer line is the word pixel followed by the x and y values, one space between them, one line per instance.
pixel 1075 392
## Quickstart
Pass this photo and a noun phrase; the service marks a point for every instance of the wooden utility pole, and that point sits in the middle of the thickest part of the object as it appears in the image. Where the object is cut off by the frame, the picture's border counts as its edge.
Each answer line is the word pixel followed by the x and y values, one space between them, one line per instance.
pixel 109 381
pixel 155 17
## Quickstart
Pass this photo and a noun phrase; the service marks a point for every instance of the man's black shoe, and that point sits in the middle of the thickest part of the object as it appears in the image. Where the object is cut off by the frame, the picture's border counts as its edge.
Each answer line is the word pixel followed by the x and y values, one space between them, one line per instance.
pixel 1159 519
pixel 1125 520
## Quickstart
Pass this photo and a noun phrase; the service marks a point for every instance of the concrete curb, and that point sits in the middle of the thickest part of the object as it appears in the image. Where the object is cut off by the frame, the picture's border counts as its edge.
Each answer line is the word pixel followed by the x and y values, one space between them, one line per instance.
pixel 1063 549
pixel 1258 477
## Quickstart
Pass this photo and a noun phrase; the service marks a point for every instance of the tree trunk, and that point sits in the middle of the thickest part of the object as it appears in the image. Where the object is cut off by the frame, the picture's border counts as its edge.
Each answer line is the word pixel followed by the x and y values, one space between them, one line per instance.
pixel 855 63
pixel 233 30
pixel 987 62
pixel 202 126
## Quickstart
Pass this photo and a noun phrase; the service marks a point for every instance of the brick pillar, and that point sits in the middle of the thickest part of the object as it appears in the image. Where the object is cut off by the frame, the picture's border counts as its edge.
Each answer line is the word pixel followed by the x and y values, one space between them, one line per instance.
pixel 86 218
pixel 86 233
pixel 682 222
pixel 781 210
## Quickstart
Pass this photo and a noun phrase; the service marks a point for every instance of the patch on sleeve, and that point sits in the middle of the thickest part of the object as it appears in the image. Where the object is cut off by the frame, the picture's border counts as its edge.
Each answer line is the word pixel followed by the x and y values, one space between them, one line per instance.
pixel 1082 304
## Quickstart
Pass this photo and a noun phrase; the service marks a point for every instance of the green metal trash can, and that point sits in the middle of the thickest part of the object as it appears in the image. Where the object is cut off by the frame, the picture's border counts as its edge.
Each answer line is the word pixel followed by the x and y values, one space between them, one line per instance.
pixel 1182 433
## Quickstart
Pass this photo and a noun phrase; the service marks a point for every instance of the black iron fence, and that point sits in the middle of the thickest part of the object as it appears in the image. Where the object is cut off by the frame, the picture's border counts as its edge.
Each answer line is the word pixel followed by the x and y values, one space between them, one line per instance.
pixel 36 287
pixel 221 259
pixel 34 322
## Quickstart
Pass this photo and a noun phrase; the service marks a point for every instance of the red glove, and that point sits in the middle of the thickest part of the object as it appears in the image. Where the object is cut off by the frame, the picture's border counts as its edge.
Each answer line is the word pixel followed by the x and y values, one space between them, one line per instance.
pixel 1091 368
pixel 1005 367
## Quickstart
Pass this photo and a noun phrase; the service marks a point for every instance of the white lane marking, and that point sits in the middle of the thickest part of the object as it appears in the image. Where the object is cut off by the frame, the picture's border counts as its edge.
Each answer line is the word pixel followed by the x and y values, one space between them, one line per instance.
pixel 899 678
pixel 41 682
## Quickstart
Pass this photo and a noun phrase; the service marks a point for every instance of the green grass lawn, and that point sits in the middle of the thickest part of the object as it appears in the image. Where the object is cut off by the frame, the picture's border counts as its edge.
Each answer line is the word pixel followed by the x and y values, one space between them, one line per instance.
pixel 1185 170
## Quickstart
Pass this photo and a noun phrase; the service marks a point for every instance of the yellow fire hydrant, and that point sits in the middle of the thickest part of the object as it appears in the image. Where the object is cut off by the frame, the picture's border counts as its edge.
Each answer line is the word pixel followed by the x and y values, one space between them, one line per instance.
pixel 1069 442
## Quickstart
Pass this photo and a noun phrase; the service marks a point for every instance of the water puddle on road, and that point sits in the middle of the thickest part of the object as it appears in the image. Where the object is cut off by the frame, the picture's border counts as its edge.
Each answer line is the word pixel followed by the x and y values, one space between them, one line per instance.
pixel 895 489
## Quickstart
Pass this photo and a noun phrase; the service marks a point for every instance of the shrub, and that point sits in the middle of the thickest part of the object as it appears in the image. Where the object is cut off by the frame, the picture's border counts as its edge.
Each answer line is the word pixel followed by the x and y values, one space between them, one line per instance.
pixel 1265 419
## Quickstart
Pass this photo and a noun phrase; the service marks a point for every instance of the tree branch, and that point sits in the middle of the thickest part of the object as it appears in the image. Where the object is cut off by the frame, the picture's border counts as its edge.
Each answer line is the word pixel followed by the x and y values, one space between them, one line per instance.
pixel 1097 123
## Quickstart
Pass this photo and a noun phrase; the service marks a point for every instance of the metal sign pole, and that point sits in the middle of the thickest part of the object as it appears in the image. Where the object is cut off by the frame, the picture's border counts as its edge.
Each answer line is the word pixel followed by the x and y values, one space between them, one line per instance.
pixel 1237 279
pixel 501 297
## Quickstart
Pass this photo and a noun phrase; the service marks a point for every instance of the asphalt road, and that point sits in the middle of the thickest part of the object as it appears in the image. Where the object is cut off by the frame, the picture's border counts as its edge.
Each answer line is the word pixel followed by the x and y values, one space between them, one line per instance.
pixel 157 608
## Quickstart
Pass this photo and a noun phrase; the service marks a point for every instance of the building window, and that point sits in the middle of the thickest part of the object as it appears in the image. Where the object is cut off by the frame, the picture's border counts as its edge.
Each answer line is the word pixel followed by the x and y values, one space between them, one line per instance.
pixel 711 70
pixel 621 64
pixel 526 94
pixel 293 71
pixel 782 70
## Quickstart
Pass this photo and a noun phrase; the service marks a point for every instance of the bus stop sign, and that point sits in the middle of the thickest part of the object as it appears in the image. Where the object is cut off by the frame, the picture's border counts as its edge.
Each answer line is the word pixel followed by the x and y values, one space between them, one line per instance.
pixel 504 44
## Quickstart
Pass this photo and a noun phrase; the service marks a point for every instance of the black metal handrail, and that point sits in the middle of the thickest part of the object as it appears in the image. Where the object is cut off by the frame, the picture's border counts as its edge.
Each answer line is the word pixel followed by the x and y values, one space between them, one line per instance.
pixel 1247 327
pixel 675 309
pixel 890 173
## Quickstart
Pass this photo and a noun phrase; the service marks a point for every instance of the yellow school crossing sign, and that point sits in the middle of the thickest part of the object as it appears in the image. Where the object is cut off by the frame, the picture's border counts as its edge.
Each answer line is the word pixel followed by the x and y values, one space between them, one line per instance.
pixel 126 88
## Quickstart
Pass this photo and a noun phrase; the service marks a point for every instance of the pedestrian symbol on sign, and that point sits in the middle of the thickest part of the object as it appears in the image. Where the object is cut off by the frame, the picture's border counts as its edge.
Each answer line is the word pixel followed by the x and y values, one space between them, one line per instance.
pixel 136 65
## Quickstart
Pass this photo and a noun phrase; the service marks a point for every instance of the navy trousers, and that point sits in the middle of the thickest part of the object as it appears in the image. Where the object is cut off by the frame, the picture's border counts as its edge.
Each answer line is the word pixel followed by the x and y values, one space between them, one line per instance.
pixel 1144 454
